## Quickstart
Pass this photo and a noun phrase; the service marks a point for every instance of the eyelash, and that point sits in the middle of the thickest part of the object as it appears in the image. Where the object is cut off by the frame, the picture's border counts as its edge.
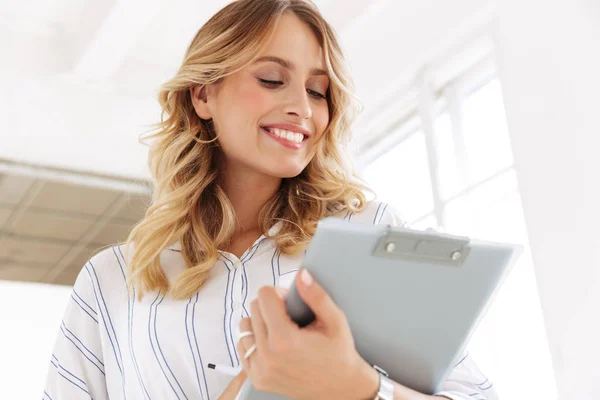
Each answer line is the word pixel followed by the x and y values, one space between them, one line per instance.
pixel 274 84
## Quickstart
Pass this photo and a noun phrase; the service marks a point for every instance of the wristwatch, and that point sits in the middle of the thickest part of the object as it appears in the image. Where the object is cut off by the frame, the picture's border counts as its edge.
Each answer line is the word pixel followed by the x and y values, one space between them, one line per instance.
pixel 386 386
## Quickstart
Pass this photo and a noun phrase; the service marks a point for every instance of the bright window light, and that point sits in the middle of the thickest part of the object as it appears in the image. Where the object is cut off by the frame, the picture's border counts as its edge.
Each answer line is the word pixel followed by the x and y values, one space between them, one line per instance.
pixel 479 198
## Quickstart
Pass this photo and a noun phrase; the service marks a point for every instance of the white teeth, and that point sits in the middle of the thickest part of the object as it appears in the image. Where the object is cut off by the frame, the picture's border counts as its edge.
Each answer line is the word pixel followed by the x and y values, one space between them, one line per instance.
pixel 287 135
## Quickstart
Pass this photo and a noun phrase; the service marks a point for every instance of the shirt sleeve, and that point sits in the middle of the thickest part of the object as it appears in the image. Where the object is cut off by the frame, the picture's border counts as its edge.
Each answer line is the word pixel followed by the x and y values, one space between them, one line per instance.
pixel 466 381
pixel 76 369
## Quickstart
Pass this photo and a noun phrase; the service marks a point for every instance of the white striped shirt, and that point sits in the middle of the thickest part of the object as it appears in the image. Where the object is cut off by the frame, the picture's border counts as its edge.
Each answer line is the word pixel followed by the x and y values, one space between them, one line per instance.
pixel 110 346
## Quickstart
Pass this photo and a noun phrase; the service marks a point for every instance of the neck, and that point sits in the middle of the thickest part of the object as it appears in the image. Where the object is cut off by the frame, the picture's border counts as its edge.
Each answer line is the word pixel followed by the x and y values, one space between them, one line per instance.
pixel 248 192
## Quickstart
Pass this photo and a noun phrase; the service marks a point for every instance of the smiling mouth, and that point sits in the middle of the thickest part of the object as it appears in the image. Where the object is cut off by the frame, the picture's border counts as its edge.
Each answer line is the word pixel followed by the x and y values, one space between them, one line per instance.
pixel 290 136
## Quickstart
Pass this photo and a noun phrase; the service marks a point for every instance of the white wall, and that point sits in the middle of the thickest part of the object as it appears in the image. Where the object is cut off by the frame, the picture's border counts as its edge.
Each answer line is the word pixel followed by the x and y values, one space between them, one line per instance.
pixel 30 319
pixel 549 56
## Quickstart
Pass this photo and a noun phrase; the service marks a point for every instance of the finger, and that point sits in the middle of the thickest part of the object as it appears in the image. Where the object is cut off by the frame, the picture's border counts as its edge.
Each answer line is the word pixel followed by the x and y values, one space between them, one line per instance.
pixel 282 292
pixel 315 297
pixel 261 336
pixel 273 311
pixel 244 340
pixel 241 350
pixel 234 386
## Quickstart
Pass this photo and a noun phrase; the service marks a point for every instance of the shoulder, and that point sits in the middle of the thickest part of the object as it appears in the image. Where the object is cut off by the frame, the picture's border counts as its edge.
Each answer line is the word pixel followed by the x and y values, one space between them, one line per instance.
pixel 375 213
pixel 104 269
pixel 101 281
pixel 109 261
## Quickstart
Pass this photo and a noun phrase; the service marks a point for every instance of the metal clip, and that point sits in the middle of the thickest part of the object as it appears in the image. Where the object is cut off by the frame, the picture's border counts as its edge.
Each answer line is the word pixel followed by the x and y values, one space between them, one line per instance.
pixel 422 245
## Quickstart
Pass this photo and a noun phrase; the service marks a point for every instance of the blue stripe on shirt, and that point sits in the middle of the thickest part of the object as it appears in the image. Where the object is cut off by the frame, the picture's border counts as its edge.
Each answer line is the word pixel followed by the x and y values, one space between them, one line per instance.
pixel 62 329
pixel 64 369
pixel 130 305
pixel 275 280
pixel 376 214
pixel 105 318
pixel 90 308
pixel 160 349
pixel 382 214
pixel 154 350
pixel 69 380
pixel 225 312
pixel 463 359
pixel 231 318
pixel 83 308
pixel 187 331
pixel 245 289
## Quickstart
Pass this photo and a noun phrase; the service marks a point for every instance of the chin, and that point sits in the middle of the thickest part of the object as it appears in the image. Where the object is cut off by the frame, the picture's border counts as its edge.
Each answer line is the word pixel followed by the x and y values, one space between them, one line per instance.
pixel 287 172
pixel 283 167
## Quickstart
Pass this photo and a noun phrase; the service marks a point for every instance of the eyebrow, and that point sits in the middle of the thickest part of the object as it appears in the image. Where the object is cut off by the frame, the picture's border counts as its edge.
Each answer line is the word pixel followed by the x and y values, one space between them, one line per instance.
pixel 289 65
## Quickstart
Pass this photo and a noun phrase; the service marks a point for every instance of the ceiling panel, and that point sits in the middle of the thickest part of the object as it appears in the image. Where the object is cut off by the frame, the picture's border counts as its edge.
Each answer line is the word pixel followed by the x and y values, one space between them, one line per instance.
pixel 48 238
pixel 29 250
pixel 17 272
pixel 4 214
pixel 74 198
pixel 83 256
pixel 42 224
pixel 13 188
pixel 134 209
pixel 112 233
pixel 68 275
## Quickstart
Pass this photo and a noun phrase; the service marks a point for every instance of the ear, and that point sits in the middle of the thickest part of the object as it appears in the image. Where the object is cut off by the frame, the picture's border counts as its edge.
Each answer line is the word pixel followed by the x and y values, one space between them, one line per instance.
pixel 199 97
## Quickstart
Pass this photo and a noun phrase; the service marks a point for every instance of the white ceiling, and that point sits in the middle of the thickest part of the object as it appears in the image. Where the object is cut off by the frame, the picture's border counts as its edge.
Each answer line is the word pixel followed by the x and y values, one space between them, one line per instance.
pixel 78 83
pixel 86 72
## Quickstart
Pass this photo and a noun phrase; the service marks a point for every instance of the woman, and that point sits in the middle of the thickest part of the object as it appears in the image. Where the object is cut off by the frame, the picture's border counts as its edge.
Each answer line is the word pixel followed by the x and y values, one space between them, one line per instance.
pixel 247 159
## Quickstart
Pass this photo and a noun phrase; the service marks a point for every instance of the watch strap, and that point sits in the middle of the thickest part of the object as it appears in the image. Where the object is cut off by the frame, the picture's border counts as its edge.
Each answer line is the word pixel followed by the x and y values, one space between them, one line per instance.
pixel 386 385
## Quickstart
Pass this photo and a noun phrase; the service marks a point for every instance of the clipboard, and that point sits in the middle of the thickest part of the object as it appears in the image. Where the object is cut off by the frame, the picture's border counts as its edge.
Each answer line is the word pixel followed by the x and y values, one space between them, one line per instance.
pixel 412 298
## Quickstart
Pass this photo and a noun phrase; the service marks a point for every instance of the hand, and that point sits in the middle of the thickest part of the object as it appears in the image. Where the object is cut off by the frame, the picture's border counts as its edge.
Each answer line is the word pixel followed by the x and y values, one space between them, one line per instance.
pixel 315 362
pixel 232 390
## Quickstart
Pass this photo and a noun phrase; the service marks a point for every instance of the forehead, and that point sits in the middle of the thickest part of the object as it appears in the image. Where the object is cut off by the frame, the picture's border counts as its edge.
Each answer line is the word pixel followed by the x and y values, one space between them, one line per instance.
pixel 295 41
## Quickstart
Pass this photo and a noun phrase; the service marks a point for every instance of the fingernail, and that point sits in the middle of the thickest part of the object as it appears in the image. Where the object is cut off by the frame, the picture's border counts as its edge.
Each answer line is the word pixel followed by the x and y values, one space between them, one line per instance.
pixel 306 277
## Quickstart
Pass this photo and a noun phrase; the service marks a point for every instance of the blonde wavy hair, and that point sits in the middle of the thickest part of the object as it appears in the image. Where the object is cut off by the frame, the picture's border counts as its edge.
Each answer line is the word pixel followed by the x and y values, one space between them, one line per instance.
pixel 188 204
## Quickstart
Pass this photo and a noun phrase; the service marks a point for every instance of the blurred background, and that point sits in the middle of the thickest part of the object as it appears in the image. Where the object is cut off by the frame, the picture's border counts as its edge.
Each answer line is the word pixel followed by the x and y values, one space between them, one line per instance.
pixel 480 118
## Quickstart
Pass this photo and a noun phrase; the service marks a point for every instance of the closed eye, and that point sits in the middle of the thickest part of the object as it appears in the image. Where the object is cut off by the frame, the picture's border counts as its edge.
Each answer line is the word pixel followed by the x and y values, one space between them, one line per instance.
pixel 269 83
pixel 315 94
pixel 274 84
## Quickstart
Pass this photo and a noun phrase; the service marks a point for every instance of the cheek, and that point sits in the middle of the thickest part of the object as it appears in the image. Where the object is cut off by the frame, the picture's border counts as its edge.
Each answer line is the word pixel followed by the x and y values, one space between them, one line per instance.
pixel 321 118
pixel 257 102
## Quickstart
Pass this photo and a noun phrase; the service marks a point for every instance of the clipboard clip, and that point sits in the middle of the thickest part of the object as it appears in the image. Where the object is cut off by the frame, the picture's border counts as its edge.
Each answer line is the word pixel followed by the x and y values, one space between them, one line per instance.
pixel 429 246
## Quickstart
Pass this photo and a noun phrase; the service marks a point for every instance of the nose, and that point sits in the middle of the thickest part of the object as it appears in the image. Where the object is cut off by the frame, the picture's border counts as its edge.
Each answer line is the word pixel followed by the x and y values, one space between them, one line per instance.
pixel 298 103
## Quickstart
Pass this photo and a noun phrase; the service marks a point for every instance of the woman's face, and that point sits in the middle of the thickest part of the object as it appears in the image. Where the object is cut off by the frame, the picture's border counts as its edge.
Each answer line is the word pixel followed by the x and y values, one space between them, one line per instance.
pixel 270 115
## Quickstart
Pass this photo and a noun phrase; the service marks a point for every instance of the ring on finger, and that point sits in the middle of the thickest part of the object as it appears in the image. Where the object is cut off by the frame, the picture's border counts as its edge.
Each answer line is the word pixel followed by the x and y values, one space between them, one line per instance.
pixel 251 350
pixel 245 334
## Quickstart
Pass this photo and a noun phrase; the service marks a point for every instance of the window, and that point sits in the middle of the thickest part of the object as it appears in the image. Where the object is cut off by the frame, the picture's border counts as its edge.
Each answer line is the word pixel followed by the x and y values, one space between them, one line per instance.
pixel 405 164
pixel 474 192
